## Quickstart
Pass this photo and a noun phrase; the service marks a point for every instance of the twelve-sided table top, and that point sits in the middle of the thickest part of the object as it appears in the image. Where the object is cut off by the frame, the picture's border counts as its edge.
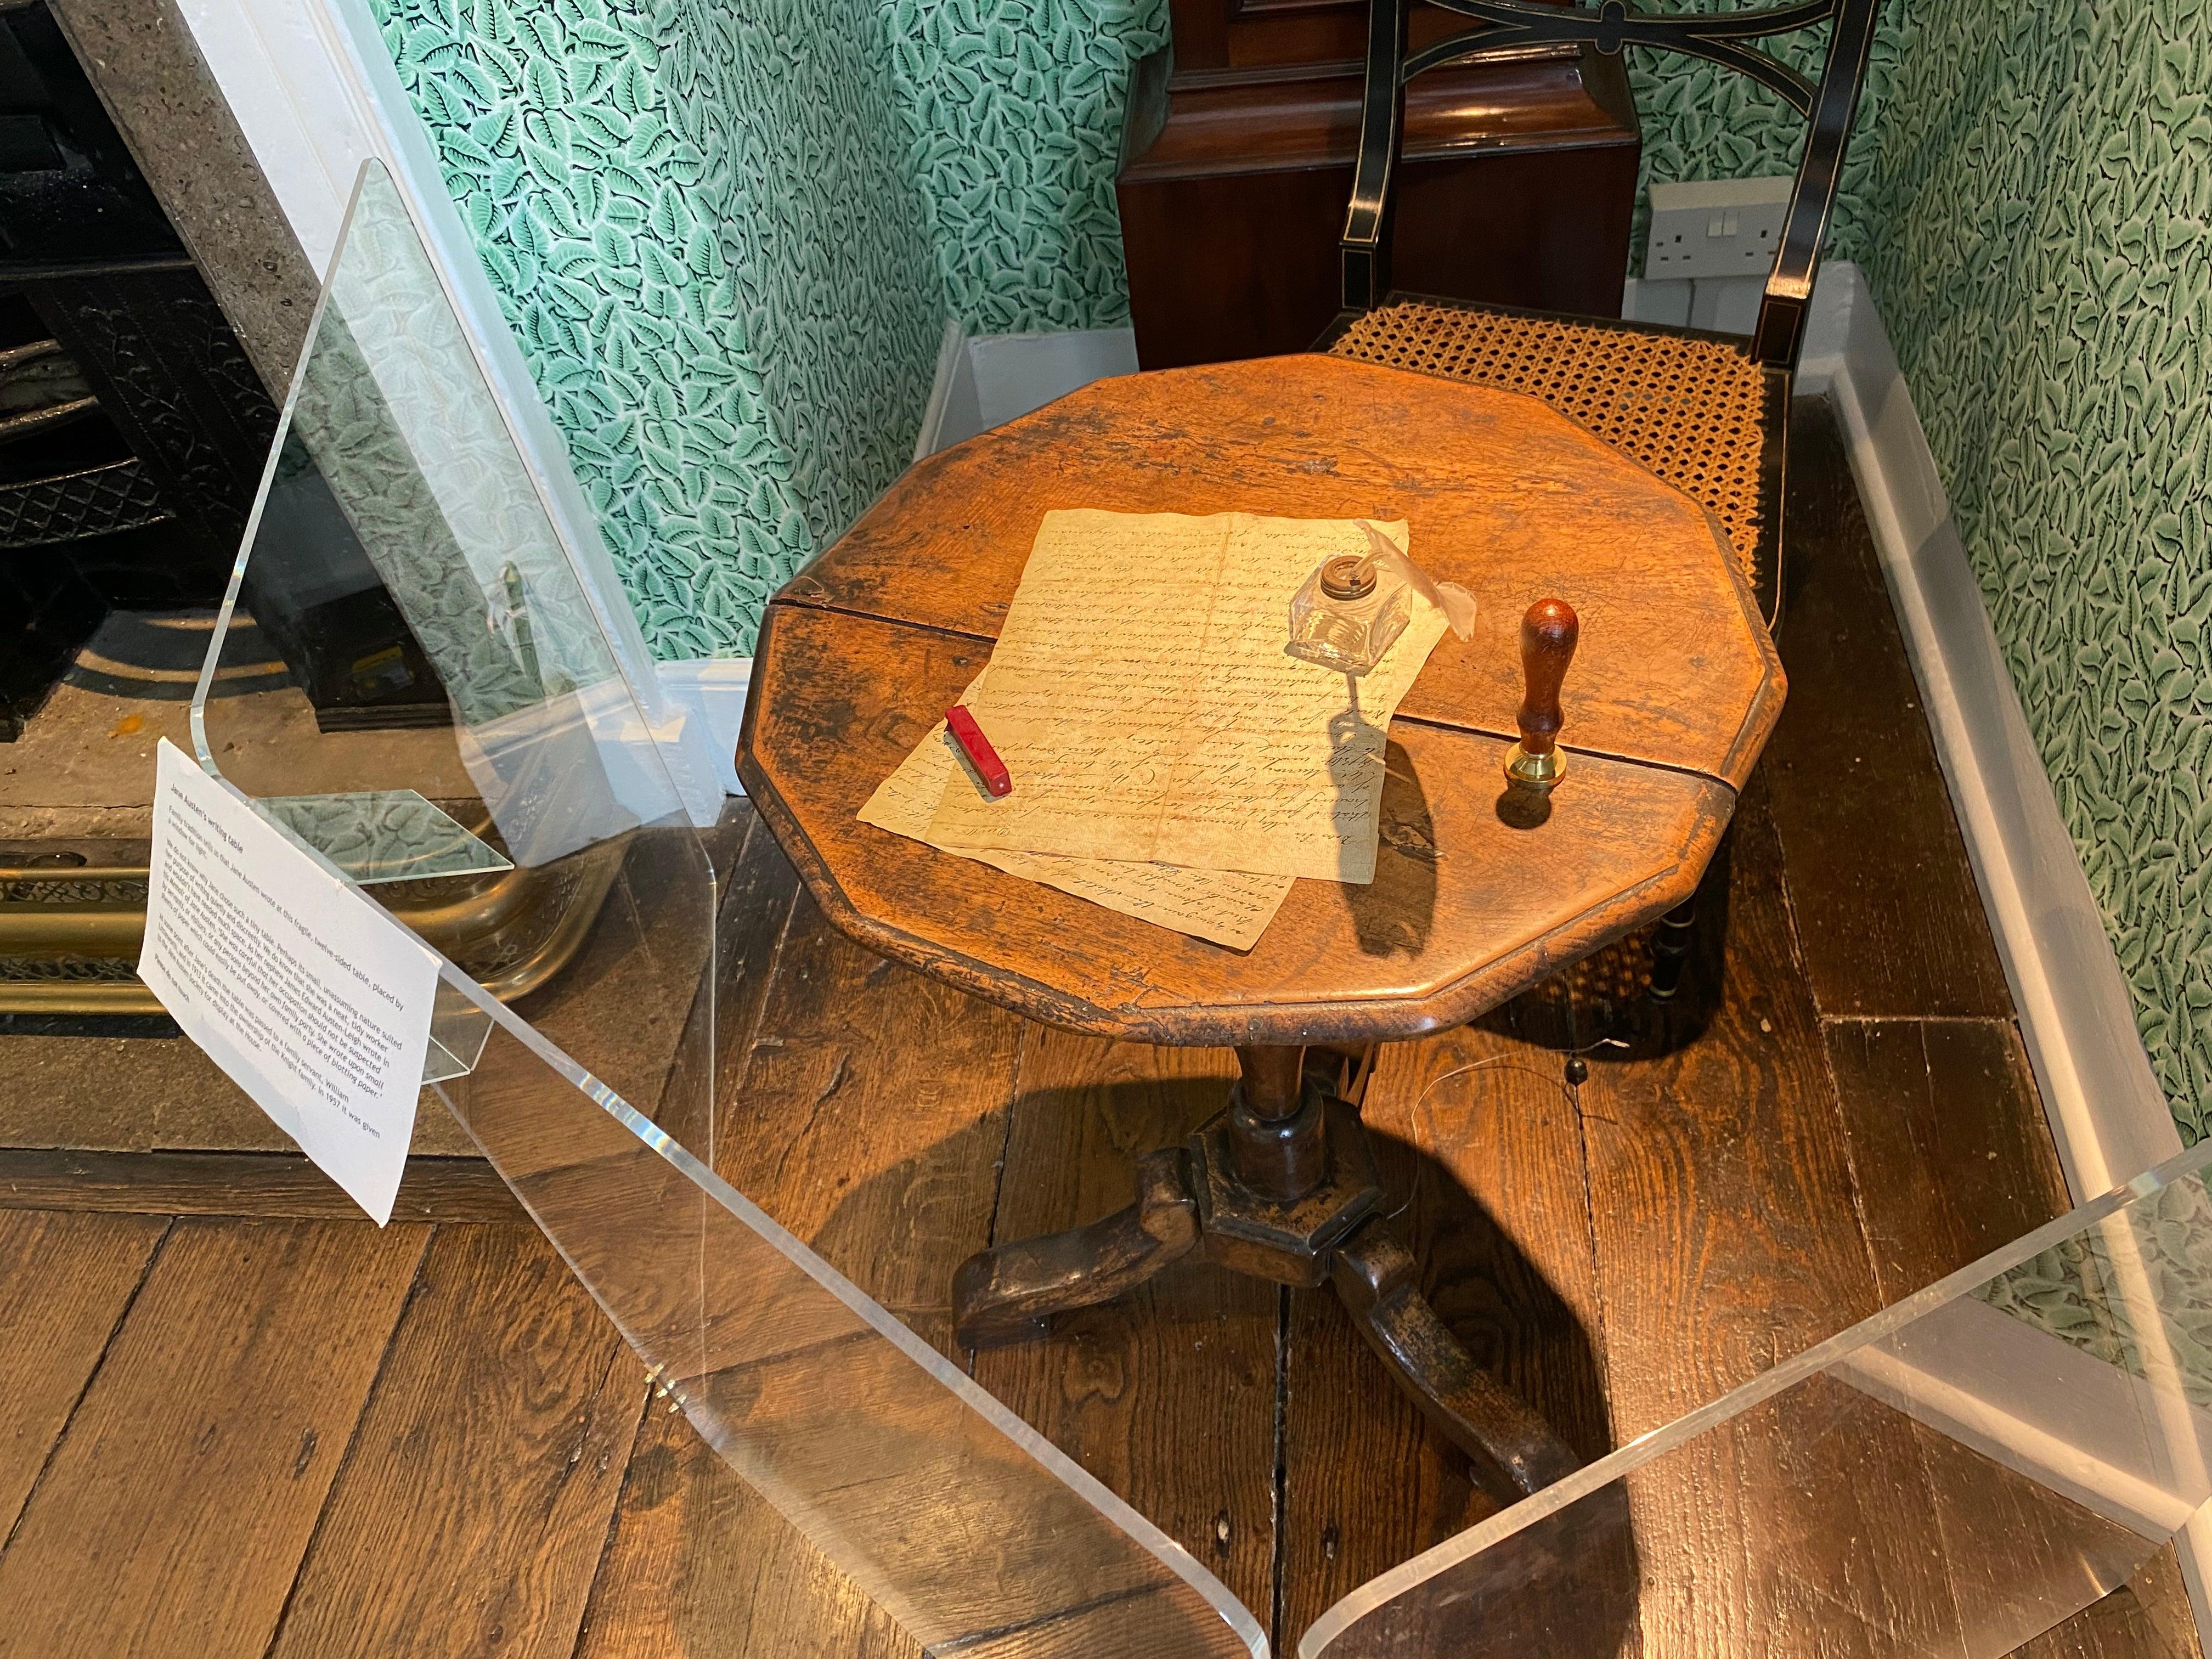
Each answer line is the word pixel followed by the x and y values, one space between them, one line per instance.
pixel 1477 893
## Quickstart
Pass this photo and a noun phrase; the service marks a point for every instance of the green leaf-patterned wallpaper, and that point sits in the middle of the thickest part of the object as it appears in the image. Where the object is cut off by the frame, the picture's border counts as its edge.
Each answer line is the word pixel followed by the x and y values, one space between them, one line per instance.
pixel 2041 254
pixel 728 234
pixel 1013 115
pixel 2030 193
pixel 697 219
pixel 1701 121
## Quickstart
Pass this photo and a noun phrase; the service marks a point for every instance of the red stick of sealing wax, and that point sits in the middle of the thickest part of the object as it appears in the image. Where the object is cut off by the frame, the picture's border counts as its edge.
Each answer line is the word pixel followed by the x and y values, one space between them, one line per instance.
pixel 978 747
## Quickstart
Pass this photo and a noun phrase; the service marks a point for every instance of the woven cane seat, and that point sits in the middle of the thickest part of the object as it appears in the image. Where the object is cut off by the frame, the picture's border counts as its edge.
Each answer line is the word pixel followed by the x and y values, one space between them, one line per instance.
pixel 1693 409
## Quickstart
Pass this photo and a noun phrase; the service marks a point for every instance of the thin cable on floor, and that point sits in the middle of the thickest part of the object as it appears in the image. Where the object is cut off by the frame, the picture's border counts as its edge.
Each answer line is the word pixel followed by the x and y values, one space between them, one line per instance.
pixel 1433 1144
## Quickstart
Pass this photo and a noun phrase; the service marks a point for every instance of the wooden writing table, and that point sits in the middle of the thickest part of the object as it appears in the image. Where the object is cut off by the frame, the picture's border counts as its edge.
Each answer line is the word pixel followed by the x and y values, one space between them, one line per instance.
pixel 1480 891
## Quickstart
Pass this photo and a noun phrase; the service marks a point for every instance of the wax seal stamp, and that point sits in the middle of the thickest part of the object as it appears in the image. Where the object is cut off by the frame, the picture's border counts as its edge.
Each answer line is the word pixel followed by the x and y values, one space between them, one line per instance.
pixel 1548 634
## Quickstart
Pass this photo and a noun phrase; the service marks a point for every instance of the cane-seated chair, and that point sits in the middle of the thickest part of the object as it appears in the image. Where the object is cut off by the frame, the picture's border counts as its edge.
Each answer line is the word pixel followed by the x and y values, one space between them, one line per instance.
pixel 1707 412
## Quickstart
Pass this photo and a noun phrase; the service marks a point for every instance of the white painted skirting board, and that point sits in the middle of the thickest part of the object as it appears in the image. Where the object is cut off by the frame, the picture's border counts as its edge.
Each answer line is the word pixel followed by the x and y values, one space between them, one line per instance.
pixel 712 691
pixel 2108 1115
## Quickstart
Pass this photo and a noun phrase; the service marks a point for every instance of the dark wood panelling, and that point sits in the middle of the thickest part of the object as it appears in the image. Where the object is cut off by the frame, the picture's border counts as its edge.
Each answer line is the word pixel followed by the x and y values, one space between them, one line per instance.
pixel 1517 185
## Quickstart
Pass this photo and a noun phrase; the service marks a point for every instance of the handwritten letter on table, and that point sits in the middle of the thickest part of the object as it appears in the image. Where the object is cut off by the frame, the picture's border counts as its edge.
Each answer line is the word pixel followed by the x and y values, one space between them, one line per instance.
pixel 1140 694
pixel 1228 907
pixel 1171 759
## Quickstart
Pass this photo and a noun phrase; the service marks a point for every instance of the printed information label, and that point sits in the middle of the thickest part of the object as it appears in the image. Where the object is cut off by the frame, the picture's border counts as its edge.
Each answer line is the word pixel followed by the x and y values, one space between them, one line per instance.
pixel 309 995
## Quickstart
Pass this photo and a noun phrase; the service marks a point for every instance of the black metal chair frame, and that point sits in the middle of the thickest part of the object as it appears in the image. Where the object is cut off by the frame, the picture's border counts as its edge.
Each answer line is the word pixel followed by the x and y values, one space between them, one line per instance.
pixel 1505 26
pixel 1722 38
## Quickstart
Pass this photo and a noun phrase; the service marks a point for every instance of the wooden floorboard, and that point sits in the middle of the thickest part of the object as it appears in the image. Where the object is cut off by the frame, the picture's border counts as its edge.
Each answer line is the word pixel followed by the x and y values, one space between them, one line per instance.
pixel 1952 1155
pixel 866 1112
pixel 173 1513
pixel 2147 1618
pixel 755 910
pixel 444 1190
pixel 1721 1191
pixel 1729 1240
pixel 474 1502
pixel 1954 1160
pixel 1488 1165
pixel 64 1282
pixel 1169 1395
pixel 869 1116
pixel 699 1564
pixel 1887 908
pixel 754 886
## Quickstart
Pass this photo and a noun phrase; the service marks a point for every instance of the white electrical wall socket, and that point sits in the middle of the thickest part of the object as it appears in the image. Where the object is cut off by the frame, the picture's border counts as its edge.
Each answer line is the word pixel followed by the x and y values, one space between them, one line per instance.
pixel 1716 227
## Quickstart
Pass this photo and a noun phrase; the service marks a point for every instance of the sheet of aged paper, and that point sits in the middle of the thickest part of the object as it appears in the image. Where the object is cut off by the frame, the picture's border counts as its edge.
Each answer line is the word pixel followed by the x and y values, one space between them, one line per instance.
pixel 1228 907
pixel 1141 697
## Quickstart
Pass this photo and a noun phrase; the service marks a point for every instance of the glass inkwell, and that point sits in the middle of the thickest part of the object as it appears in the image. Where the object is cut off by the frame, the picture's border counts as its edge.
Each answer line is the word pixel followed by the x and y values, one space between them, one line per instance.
pixel 1348 612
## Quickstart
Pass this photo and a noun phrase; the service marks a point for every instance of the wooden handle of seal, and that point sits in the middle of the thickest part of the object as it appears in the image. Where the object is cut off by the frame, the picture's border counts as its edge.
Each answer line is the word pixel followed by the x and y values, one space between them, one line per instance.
pixel 1548 634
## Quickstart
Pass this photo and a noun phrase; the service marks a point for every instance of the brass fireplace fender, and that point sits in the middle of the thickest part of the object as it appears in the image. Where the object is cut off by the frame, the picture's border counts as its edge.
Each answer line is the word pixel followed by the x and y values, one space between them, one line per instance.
pixel 70 937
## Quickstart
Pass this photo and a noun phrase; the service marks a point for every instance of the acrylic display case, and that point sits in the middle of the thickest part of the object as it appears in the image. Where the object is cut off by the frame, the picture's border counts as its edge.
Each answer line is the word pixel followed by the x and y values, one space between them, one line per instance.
pixel 455 735
pixel 1994 1453
pixel 457 738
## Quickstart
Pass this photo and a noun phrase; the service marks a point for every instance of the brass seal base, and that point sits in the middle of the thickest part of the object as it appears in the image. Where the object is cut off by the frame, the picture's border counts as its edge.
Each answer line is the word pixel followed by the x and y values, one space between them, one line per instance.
pixel 1535 771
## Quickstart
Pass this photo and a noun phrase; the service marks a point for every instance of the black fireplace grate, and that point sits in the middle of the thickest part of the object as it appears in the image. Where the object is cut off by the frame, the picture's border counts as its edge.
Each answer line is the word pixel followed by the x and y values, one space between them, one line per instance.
pixel 132 428
pixel 98 501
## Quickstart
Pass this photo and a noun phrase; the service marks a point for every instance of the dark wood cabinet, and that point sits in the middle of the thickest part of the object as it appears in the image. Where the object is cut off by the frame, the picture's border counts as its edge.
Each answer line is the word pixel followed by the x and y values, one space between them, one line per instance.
pixel 1517 184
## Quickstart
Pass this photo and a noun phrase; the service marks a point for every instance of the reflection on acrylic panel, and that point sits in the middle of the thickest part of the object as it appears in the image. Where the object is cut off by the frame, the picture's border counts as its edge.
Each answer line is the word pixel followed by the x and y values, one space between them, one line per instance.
pixel 377 835
pixel 452 731
pixel 1952 1478
pixel 959 1520
pixel 402 561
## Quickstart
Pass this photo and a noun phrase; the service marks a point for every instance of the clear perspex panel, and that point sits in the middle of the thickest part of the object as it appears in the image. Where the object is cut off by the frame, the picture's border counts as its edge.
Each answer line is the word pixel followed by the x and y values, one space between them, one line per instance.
pixel 1953 1477
pixel 967 1527
pixel 409 679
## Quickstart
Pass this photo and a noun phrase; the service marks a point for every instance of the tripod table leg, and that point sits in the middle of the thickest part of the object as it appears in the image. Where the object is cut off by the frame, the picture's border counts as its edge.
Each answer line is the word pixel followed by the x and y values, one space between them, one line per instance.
pixel 1670 948
pixel 1006 1294
pixel 1514 1450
